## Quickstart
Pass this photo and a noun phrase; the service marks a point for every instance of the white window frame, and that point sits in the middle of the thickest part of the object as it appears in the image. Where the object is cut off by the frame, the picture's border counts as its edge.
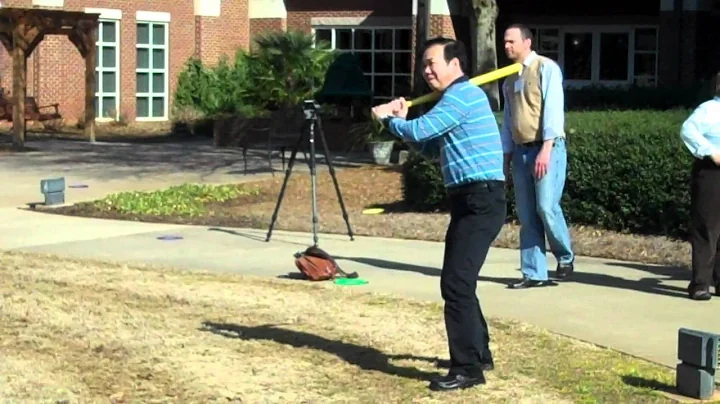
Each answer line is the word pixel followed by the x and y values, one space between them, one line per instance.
pixel 596 31
pixel 154 18
pixel 333 30
pixel 99 69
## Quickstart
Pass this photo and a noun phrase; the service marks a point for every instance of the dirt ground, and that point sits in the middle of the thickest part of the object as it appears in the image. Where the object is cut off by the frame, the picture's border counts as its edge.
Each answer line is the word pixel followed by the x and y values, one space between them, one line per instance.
pixel 80 331
pixel 372 186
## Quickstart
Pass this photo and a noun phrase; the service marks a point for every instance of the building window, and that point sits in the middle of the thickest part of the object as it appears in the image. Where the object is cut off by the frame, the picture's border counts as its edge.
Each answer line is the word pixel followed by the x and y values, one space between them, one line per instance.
pixel 547 42
pixel 107 77
pixel 385 55
pixel 152 70
pixel 645 56
pixel 601 55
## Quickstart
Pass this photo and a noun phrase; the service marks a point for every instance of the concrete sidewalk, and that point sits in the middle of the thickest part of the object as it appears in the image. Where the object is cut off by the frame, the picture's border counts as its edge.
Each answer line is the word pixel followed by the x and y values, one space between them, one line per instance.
pixel 115 167
pixel 633 308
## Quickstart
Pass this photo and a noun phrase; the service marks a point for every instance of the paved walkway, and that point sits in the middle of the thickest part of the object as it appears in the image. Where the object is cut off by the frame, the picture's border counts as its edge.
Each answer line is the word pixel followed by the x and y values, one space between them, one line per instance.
pixel 113 167
pixel 631 307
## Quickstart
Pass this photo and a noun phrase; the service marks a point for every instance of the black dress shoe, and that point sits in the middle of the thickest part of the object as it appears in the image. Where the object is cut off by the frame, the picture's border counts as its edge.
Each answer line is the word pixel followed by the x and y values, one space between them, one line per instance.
pixel 455 382
pixel 530 283
pixel 700 295
pixel 717 289
pixel 564 270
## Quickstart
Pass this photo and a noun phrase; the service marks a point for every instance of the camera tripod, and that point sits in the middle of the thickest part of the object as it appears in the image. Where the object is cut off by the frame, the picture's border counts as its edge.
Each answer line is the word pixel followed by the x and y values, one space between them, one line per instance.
pixel 311 120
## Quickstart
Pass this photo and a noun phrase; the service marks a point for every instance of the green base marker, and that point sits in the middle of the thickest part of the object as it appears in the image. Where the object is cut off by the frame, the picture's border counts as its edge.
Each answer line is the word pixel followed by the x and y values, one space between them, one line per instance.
pixel 350 281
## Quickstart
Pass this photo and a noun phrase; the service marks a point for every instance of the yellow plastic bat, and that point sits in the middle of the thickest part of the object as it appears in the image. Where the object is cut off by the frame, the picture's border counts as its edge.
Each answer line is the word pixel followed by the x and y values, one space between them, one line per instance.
pixel 477 80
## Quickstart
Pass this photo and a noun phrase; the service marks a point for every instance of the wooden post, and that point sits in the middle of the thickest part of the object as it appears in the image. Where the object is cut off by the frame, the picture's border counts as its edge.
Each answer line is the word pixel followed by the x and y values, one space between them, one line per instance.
pixel 422 25
pixel 90 58
pixel 19 89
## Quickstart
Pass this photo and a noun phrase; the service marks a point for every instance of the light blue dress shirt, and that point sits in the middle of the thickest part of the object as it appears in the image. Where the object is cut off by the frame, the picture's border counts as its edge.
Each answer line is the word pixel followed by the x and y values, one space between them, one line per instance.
pixel 553 120
pixel 701 131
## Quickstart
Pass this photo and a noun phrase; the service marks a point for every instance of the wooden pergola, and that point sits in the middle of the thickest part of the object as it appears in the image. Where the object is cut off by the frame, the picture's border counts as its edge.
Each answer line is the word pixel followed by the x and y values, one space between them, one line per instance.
pixel 22 29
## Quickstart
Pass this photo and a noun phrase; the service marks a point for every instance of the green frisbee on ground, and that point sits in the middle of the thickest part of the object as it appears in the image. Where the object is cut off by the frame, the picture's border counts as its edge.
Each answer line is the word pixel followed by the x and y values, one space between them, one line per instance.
pixel 350 281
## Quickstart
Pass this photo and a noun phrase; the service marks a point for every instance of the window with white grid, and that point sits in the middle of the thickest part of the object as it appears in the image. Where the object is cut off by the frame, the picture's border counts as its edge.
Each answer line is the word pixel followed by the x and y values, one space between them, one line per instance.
pixel 107 77
pixel 601 54
pixel 152 70
pixel 385 55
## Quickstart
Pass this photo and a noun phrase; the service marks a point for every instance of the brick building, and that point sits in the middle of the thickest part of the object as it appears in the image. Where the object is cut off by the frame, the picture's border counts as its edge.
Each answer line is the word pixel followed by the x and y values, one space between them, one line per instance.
pixel 143 44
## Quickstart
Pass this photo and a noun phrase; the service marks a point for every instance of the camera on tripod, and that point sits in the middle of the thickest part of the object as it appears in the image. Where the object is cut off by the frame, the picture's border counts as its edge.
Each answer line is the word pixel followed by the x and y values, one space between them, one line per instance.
pixel 344 84
pixel 310 108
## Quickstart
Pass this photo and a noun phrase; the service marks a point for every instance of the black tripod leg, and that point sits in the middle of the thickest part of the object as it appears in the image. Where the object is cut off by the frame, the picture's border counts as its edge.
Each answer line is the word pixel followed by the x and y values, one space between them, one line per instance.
pixel 328 160
pixel 291 162
pixel 313 183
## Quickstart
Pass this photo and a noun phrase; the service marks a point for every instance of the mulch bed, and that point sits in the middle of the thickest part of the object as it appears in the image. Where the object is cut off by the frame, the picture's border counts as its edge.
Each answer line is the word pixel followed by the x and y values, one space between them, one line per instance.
pixel 371 186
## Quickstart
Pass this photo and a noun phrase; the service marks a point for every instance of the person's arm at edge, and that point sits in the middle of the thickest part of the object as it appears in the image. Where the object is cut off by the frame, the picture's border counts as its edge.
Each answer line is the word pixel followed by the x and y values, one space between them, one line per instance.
pixel 506 131
pixel 692 132
pixel 553 102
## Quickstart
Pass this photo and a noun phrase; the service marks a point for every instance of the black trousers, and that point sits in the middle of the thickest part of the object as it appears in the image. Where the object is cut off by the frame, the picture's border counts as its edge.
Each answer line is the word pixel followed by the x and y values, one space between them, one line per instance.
pixel 477 214
pixel 705 224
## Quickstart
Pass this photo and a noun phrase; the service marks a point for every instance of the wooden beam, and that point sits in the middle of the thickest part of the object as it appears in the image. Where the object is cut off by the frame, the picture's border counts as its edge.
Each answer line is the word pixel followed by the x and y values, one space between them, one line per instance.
pixel 33 38
pixel 7 41
pixel 19 90
pixel 91 55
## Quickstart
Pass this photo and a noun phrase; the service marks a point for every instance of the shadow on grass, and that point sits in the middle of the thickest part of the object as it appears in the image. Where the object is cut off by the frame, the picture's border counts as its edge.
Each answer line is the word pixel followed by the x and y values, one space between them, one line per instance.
pixel 646 285
pixel 643 383
pixel 363 357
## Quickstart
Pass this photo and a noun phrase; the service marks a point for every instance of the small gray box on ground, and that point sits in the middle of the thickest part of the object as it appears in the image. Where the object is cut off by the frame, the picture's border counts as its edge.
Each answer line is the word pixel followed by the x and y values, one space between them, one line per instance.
pixel 695 382
pixel 54 191
pixel 54 198
pixel 52 185
pixel 698 348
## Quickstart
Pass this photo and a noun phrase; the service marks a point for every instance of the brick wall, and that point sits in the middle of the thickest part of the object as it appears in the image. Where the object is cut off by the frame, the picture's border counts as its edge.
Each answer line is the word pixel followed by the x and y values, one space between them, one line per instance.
pixel 300 12
pixel 56 69
pixel 217 36
pixel 259 26
pixel 442 25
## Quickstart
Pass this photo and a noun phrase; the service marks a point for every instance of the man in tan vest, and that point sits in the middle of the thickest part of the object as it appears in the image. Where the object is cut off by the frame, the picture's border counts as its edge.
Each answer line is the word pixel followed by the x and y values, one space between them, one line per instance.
pixel 536 158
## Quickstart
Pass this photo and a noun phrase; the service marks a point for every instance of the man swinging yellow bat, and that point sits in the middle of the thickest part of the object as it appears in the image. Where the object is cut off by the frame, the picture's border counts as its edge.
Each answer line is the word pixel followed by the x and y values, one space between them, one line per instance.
pixel 463 131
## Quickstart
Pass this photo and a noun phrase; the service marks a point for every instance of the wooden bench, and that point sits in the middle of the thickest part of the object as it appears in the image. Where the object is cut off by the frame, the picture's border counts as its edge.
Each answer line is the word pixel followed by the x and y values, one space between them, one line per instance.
pixel 33 112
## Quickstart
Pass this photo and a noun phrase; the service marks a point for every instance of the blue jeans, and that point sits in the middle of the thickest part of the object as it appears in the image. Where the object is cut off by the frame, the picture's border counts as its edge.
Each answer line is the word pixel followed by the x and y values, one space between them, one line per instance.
pixel 538 209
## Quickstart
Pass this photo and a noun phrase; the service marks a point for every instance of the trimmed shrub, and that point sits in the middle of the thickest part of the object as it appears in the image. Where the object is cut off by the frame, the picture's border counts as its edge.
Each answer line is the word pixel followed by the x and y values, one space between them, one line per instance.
pixel 627 171
pixel 637 97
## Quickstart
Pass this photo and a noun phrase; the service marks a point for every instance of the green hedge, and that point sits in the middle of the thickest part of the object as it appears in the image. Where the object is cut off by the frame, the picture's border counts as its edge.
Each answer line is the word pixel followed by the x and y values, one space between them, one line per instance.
pixel 637 97
pixel 627 171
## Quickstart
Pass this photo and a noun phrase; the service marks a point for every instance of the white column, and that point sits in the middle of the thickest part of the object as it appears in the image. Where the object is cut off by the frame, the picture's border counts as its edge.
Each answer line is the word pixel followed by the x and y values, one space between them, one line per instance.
pixel 207 8
pixel 49 3
pixel 267 9
pixel 439 7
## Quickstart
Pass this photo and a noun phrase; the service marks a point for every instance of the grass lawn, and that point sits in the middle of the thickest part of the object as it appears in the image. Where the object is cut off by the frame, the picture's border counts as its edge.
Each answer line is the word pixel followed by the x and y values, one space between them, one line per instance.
pixel 252 204
pixel 80 331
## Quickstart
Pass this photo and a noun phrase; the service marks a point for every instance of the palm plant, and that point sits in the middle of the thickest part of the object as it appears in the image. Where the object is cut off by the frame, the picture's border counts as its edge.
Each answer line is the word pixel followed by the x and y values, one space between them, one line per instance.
pixel 288 67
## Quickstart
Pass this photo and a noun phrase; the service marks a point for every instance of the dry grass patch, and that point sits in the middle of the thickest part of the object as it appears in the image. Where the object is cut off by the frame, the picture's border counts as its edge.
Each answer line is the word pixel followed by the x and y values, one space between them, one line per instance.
pixel 79 331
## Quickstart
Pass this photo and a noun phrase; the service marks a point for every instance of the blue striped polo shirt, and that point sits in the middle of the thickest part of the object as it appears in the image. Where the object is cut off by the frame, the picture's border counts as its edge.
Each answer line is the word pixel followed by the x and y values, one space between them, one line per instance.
pixel 463 129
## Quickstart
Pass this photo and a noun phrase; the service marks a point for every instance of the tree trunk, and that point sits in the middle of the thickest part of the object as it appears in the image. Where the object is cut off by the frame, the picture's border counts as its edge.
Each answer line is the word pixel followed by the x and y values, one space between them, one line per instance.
pixel 485 16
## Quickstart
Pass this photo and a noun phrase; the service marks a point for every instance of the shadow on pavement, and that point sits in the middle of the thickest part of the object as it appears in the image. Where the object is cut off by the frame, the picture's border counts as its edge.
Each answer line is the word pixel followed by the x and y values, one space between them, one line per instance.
pixel 672 273
pixel 646 285
pixel 109 161
pixel 252 236
pixel 364 357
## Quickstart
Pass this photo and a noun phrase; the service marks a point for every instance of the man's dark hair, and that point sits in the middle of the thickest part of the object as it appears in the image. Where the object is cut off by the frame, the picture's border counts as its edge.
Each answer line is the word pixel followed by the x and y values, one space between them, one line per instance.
pixel 452 48
pixel 716 84
pixel 525 32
